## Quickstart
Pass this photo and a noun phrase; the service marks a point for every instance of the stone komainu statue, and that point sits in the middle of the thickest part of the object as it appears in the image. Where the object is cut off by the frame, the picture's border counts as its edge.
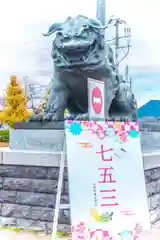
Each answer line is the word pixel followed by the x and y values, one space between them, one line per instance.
pixel 80 52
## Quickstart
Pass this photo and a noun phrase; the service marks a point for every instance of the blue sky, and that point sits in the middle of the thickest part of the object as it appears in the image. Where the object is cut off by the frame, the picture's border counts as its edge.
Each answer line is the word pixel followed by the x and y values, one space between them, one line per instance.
pixel 24 51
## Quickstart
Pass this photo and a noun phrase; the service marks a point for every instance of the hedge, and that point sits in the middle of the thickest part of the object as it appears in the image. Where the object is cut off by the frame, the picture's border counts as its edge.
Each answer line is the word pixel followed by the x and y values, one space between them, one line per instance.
pixel 4 135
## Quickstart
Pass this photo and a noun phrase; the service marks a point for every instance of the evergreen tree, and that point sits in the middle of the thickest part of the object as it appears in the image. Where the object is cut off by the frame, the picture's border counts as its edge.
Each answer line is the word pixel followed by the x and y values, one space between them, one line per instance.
pixel 15 101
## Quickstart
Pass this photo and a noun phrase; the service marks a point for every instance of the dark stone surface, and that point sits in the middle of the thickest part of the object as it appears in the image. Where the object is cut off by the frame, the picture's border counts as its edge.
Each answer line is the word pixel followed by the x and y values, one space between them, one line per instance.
pixel 23 172
pixel 152 177
pixel 1 182
pixel 52 173
pixel 46 140
pixel 23 139
pixel 33 185
pixel 69 87
pixel 155 216
pixel 42 214
pixel 154 201
pixel 28 195
pixel 39 125
pixel 47 214
pixel 30 172
pixel 32 224
pixel 60 125
pixel 38 199
pixel 151 126
pixel 150 141
pixel 16 211
pixel 153 188
pixel 7 196
pixel 65 186
pixel 27 200
pixel 33 213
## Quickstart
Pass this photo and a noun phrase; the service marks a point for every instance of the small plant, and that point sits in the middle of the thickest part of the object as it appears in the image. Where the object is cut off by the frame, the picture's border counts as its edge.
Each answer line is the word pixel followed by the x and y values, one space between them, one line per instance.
pixel 16 229
pixel 4 135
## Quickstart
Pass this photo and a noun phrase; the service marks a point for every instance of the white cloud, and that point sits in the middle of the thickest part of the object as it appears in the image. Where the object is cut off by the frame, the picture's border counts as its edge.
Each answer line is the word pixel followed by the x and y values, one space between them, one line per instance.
pixel 22 48
pixel 143 17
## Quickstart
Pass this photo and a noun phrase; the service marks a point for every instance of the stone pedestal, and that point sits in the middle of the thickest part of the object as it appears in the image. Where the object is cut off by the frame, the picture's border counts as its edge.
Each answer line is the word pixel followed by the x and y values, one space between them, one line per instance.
pixel 37 137
pixel 49 136
pixel 36 173
pixel 150 142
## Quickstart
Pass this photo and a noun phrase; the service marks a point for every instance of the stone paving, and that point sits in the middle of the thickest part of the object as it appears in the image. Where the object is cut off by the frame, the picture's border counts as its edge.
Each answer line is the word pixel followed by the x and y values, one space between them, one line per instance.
pixel 150 236
pixel 8 235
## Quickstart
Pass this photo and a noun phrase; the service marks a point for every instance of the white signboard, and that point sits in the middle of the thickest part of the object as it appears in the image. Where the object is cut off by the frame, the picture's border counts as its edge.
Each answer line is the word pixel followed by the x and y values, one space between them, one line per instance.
pixel 106 180
pixel 96 99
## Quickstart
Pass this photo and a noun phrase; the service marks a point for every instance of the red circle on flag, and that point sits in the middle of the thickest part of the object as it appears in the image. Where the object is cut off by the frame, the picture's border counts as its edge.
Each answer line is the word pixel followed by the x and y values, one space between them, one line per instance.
pixel 97 99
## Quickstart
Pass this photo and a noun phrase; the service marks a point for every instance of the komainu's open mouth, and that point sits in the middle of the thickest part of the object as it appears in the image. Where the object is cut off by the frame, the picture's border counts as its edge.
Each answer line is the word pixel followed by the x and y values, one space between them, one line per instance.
pixel 75 54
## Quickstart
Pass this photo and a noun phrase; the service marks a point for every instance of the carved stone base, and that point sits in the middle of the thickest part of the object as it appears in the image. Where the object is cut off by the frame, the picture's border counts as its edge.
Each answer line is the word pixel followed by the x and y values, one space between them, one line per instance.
pixel 40 125
pixel 36 140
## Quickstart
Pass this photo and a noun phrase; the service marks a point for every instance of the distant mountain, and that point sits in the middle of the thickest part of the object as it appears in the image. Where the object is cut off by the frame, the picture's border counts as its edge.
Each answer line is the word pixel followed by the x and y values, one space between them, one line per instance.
pixel 150 110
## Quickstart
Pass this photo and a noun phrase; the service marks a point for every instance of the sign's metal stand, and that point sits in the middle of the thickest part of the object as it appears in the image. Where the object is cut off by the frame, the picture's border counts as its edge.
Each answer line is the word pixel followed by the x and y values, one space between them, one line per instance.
pixel 58 205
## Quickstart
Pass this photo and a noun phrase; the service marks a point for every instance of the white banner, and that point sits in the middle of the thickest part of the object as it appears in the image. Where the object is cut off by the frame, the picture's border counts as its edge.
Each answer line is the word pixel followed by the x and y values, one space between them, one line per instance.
pixel 106 180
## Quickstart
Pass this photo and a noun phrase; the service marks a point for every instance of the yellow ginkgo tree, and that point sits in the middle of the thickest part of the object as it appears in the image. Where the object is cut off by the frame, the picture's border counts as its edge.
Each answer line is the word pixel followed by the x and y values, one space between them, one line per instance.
pixel 15 109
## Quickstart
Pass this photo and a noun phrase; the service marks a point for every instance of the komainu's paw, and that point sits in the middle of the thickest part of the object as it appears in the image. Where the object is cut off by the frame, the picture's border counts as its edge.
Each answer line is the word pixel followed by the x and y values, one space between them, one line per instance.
pixel 82 117
pixel 120 118
pixel 54 117
pixel 125 118
pixel 36 117
pixel 43 117
pixel 48 117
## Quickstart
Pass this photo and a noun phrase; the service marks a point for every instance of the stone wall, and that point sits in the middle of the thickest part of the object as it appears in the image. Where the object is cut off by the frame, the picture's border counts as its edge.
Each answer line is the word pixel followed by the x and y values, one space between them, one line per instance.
pixel 28 186
pixel 28 195
pixel 28 191
pixel 153 191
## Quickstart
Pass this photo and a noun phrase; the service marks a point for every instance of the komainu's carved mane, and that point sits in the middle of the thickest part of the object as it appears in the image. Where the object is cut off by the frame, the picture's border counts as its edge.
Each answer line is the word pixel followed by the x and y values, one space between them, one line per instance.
pixel 79 52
